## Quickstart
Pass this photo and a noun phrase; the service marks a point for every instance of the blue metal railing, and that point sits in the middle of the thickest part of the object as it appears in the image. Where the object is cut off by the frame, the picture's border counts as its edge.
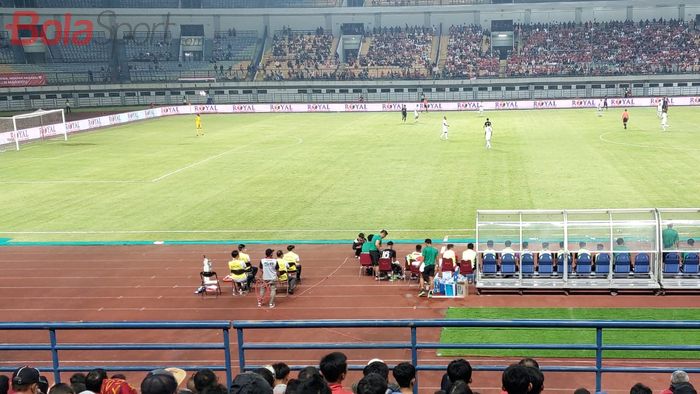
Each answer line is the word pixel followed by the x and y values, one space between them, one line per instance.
pixel 413 345
pixel 54 347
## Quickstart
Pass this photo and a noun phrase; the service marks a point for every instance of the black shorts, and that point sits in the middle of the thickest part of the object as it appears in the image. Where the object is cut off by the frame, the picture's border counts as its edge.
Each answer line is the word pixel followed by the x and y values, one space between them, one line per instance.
pixel 374 255
pixel 428 272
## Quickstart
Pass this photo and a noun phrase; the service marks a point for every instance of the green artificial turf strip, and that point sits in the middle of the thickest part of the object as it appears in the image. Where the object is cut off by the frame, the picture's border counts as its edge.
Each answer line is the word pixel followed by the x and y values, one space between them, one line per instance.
pixel 327 176
pixel 571 336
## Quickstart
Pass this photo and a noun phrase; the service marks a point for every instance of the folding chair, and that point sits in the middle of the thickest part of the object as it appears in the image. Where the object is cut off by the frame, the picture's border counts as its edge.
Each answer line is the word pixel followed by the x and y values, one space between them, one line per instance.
pixel 210 283
pixel 447 265
pixel 384 266
pixel 365 262
pixel 413 270
pixel 466 269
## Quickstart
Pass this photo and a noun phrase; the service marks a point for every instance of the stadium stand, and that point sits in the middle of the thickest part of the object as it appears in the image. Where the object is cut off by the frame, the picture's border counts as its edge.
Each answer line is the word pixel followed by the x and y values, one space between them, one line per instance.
pixel 399 52
pixel 610 48
pixel 297 55
pixel 468 54
pixel 234 45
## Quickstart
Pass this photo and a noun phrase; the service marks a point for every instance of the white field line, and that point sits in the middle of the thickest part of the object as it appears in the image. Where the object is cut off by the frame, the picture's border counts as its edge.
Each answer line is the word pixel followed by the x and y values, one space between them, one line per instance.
pixel 223 231
pixel 66 181
pixel 160 178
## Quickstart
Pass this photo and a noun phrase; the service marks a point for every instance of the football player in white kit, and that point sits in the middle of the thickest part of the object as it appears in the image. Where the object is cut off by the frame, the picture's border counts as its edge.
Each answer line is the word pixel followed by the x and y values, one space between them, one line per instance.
pixel 415 114
pixel 664 121
pixel 659 109
pixel 488 131
pixel 445 128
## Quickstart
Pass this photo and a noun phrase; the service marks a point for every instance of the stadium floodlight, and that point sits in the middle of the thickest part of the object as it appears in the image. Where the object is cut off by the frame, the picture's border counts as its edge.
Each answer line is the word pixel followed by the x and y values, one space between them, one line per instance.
pixel 38 125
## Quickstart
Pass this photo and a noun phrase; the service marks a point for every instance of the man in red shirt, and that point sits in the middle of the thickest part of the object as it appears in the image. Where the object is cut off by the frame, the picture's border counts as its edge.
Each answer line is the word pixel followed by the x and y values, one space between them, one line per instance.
pixel 625 118
pixel 334 367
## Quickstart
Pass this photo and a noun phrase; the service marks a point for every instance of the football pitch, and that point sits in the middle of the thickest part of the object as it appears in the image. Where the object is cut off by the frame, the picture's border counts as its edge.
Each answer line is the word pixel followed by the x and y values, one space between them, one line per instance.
pixel 327 176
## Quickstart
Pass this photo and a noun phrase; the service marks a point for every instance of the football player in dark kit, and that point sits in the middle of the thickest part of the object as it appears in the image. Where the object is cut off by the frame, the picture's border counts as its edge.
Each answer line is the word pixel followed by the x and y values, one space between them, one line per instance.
pixel 403 113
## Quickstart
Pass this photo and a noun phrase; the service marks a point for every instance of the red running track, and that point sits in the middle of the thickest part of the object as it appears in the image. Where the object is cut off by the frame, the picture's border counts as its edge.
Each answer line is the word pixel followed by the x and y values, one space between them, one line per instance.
pixel 156 282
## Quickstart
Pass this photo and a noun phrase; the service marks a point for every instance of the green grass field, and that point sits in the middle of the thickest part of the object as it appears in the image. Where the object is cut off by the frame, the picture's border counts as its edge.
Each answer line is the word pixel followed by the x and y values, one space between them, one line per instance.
pixel 327 176
pixel 571 336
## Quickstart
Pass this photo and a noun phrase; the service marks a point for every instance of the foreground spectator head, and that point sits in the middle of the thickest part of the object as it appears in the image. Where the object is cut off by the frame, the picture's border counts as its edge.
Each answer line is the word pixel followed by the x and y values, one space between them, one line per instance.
pixel 377 366
pixel 43 384
pixel 118 376
pixel 536 380
pixel 4 384
pixel 267 375
pixel 582 390
pixel 94 378
pixel 516 379
pixel 250 383
pixel 372 383
pixel 281 375
pixel 25 380
pixel 308 372
pixel 314 385
pixel 292 386
pixel 203 379
pixel 459 370
pixel 159 382
pixel 333 366
pixel 460 387
pixel 405 375
pixel 61 388
pixel 77 382
pixel 529 362
pixel 639 388
pixel 680 376
pixel 215 389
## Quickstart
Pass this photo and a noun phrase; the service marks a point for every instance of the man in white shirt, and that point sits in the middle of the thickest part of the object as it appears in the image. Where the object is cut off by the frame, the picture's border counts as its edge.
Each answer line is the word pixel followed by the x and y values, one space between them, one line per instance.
pixel 449 254
pixel 581 251
pixel 664 121
pixel 659 109
pixel 470 255
pixel 488 131
pixel 445 128
pixel 415 114
pixel 269 268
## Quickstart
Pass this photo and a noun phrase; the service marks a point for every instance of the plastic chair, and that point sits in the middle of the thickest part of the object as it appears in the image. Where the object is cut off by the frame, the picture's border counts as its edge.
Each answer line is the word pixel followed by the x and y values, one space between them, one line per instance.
pixel 690 264
pixel 489 265
pixel 209 283
pixel 672 263
pixel 641 263
pixel 602 264
pixel 507 264
pixel 545 265
pixel 365 262
pixel 527 264
pixel 384 266
pixel 583 264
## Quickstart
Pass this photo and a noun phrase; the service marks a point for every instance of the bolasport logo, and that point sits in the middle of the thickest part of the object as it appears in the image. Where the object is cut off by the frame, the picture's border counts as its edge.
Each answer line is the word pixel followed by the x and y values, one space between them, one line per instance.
pixel 28 28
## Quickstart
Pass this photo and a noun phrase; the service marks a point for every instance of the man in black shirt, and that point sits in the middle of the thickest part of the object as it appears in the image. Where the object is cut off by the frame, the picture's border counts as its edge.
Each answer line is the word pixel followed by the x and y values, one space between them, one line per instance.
pixel 403 113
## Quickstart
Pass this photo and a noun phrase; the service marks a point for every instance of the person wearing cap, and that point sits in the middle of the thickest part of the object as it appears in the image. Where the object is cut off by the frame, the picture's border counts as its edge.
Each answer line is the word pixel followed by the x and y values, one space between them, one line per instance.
pixel 25 380
pixel 269 268
pixel 249 383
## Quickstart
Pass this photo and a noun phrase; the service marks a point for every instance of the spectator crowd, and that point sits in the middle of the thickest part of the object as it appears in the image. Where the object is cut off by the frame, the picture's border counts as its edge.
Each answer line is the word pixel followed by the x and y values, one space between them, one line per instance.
pixel 329 377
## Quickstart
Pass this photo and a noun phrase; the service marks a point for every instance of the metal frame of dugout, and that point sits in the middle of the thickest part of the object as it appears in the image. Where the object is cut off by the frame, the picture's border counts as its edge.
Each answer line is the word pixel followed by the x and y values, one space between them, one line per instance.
pixel 686 224
pixel 630 238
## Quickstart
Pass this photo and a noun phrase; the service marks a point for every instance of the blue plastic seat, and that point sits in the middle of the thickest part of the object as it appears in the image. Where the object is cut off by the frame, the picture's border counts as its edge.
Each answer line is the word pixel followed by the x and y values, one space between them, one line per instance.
pixel 507 264
pixel 622 263
pixel 671 263
pixel 690 264
pixel 489 264
pixel 560 263
pixel 641 263
pixel 544 264
pixel 602 264
pixel 527 264
pixel 583 264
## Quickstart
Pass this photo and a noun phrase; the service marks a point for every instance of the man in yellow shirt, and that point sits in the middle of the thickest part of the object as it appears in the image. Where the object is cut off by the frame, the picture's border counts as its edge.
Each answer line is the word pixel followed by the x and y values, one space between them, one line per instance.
pixel 293 267
pixel 250 270
pixel 198 125
pixel 238 273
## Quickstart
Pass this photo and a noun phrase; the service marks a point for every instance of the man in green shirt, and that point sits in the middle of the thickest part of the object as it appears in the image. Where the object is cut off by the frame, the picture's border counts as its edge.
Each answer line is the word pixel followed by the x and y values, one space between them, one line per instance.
pixel 429 257
pixel 669 237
